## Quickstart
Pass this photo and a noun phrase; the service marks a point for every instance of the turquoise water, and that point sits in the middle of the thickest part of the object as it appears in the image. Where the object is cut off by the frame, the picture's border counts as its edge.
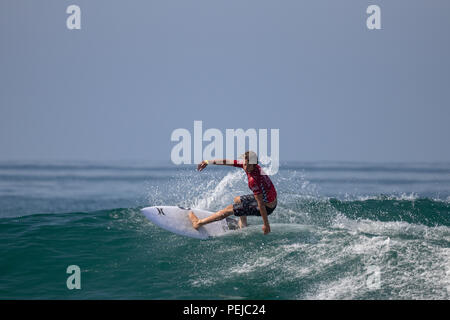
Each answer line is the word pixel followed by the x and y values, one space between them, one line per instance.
pixel 338 226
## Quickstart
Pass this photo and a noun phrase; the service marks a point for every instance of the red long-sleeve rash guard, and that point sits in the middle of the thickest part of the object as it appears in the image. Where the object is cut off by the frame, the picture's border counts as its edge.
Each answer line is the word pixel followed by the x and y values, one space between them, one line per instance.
pixel 259 183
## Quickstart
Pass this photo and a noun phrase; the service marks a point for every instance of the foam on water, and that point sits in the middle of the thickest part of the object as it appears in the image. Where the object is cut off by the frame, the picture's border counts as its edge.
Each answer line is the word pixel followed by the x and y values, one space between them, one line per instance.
pixel 327 238
pixel 220 195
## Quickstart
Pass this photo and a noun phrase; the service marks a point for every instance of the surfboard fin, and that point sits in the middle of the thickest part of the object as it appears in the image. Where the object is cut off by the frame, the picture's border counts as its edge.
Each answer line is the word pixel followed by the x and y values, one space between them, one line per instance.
pixel 232 223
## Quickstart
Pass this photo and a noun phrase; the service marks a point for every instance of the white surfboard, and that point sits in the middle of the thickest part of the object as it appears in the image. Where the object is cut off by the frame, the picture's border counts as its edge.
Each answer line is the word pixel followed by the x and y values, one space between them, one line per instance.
pixel 176 220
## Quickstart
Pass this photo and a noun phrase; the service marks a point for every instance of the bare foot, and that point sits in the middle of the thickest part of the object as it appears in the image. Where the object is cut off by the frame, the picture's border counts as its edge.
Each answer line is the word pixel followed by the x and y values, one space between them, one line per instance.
pixel 194 220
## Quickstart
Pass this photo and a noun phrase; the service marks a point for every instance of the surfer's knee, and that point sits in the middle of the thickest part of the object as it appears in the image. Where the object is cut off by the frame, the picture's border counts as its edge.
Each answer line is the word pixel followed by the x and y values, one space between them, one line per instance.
pixel 222 214
pixel 229 209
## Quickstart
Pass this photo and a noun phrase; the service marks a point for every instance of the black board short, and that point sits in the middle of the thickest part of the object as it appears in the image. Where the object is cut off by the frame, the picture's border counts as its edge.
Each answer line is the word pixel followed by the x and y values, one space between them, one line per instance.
pixel 249 207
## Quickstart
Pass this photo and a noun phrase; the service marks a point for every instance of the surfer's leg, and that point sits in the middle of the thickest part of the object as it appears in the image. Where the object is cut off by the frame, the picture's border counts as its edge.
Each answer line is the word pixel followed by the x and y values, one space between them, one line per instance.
pixel 244 206
pixel 242 222
pixel 242 219
pixel 219 215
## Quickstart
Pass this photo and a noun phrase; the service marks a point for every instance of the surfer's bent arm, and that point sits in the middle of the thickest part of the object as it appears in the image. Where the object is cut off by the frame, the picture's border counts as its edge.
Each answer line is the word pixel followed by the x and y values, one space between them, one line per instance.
pixel 223 162
pixel 263 211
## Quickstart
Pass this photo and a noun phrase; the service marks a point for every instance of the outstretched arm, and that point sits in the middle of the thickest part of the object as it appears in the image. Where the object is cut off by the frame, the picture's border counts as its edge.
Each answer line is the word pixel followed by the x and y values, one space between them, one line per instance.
pixel 224 162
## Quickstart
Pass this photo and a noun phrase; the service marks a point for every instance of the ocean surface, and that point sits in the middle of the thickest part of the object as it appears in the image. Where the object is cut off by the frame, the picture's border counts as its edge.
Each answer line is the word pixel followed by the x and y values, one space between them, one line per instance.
pixel 340 231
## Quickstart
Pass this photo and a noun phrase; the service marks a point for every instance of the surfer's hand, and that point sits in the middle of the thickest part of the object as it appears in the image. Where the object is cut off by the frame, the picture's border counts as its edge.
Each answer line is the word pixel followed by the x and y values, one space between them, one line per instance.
pixel 202 165
pixel 266 228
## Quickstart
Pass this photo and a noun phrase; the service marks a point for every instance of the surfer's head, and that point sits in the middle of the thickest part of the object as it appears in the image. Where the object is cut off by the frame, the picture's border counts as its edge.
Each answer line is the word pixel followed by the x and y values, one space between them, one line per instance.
pixel 250 161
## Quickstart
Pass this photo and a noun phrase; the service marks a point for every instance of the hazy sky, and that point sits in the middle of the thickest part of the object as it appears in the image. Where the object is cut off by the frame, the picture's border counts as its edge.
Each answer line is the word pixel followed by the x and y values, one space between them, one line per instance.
pixel 138 70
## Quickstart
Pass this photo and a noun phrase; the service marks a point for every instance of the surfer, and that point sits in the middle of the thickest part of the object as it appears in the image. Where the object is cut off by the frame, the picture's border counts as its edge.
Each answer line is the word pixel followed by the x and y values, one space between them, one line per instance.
pixel 262 202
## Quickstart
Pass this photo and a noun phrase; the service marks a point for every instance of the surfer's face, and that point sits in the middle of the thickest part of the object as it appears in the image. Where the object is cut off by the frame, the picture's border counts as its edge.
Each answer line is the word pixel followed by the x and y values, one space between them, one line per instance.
pixel 247 166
